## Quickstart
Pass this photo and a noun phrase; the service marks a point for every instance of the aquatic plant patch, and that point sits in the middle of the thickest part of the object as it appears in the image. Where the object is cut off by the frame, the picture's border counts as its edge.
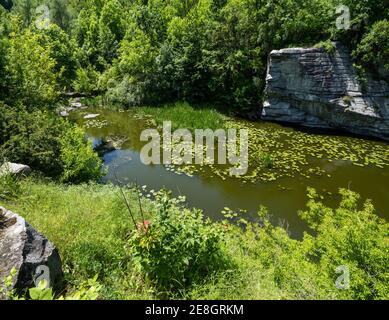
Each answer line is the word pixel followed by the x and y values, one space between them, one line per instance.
pixel 276 152
pixel 180 147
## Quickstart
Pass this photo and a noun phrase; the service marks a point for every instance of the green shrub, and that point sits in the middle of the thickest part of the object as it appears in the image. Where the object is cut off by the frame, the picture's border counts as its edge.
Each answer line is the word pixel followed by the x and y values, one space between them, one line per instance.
pixel 86 80
pixel 79 161
pixel 352 236
pixel 88 290
pixel 178 247
pixel 328 46
pixel 47 143
pixel 32 77
pixel 346 243
pixel 374 47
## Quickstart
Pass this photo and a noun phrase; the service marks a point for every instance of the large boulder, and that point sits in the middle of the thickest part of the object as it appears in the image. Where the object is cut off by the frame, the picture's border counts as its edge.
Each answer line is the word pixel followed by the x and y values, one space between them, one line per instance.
pixel 32 255
pixel 315 88
pixel 15 169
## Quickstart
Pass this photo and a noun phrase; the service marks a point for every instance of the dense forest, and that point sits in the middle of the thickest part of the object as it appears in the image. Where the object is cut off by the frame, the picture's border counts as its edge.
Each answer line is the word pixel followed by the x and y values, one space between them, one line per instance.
pixel 152 52
pixel 149 52
pixel 135 53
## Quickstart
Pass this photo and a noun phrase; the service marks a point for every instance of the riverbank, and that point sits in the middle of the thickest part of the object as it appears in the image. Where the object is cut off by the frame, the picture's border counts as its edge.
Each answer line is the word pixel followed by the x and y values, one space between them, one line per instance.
pixel 283 162
pixel 94 233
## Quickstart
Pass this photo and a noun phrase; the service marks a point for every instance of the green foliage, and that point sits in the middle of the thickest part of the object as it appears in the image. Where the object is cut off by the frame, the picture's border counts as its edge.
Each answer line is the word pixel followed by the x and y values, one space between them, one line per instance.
pixel 89 225
pixel 155 52
pixel 60 13
pixel 161 51
pixel 264 262
pixel 209 50
pixel 62 50
pixel 41 292
pixel 9 187
pixel 127 81
pixel 374 47
pixel 79 161
pixel 350 236
pixel 48 144
pixel 7 284
pixel 328 46
pixel 31 75
pixel 267 161
pixel 98 29
pixel 272 265
pixel 88 290
pixel 183 115
pixel 364 13
pixel 86 80
pixel 177 247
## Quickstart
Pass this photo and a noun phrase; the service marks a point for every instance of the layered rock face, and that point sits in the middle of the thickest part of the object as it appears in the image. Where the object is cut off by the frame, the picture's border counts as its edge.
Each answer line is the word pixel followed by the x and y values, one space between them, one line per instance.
pixel 313 88
pixel 33 256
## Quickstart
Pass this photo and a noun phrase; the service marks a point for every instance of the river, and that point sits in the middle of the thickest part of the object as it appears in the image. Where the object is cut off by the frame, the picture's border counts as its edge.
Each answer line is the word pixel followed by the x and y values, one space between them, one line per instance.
pixel 300 159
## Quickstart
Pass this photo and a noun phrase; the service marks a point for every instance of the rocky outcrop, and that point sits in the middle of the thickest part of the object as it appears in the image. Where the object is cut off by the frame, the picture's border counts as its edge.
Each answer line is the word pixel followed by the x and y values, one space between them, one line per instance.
pixel 15 169
pixel 29 252
pixel 109 144
pixel 314 88
pixel 74 105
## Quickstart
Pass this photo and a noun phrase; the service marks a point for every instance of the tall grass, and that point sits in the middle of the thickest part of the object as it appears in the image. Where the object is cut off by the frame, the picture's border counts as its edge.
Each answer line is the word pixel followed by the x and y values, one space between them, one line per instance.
pixel 183 115
pixel 91 227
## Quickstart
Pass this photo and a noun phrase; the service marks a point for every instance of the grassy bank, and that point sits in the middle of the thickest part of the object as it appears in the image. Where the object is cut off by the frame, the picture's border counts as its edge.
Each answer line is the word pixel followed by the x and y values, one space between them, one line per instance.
pixel 94 232
pixel 184 115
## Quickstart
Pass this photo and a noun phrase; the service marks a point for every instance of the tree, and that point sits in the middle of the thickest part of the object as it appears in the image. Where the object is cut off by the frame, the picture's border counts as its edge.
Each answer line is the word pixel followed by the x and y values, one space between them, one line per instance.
pixel 373 50
pixel 111 29
pixel 59 13
pixel 30 68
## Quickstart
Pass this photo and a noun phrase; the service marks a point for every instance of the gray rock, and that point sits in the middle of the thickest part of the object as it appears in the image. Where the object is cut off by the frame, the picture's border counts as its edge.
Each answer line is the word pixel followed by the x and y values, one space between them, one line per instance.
pixel 76 104
pixel 91 116
pixel 28 251
pixel 15 168
pixel 109 144
pixel 64 113
pixel 313 88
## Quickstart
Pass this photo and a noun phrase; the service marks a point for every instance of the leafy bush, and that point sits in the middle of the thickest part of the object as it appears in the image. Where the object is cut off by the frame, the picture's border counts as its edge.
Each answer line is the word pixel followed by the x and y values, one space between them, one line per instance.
pixel 47 143
pixel 349 236
pixel 374 47
pixel 88 290
pixel 63 51
pixel 86 80
pixel 207 50
pixel 178 247
pixel 32 78
pixel 328 46
pixel 79 161
pixel 351 239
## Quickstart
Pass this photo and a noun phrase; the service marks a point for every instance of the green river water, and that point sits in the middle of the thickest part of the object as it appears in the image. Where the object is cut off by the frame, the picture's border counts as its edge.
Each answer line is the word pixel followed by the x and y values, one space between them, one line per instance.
pixel 299 159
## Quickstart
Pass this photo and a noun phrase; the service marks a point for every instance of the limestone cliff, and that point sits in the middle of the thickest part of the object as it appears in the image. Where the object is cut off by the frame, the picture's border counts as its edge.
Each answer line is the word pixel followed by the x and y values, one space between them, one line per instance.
pixel 314 88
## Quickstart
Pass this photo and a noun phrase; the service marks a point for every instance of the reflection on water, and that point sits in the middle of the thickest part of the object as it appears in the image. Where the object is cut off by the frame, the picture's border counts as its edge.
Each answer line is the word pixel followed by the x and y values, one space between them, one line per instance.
pixel 283 197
